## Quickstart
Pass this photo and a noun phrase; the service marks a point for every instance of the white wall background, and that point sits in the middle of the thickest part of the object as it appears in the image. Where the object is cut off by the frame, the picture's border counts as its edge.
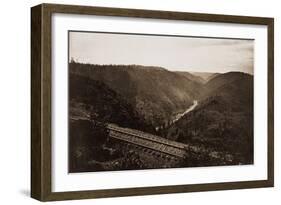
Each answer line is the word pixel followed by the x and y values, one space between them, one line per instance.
pixel 15 100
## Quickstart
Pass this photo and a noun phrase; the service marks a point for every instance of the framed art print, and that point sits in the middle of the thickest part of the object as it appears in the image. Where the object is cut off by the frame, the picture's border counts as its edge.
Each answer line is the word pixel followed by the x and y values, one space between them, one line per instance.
pixel 135 102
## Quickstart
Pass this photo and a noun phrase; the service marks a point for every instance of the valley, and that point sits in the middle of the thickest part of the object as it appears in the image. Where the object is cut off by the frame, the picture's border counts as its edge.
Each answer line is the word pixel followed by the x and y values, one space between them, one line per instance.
pixel 212 112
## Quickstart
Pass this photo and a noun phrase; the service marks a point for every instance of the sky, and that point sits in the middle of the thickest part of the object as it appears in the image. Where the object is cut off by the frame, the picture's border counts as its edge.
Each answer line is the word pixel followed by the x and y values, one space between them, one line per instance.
pixel 171 52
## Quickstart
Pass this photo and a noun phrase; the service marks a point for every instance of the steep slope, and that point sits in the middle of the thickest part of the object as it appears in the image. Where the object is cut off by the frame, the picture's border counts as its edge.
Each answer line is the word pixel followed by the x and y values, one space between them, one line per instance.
pixel 235 88
pixel 91 105
pixel 90 99
pixel 223 120
pixel 155 93
pixel 226 78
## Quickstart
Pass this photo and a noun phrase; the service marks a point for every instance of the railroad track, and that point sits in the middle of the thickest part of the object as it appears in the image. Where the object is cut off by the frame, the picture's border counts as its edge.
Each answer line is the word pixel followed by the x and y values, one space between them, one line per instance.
pixel 148 141
pixel 156 143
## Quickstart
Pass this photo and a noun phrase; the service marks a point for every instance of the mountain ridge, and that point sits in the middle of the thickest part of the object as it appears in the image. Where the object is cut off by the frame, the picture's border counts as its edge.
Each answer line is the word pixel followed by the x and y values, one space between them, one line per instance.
pixel 155 92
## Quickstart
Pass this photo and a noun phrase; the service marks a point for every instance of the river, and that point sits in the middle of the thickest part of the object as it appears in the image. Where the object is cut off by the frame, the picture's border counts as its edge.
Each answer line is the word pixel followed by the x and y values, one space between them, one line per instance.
pixel 180 115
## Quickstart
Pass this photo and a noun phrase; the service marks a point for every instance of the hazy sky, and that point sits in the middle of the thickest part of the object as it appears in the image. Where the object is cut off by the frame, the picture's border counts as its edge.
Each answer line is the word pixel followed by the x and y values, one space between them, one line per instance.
pixel 170 52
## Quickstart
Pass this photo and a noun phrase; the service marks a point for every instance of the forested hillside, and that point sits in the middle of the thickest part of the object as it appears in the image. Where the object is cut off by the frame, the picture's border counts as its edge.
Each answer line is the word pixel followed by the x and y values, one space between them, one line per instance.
pixel 223 120
pixel 154 92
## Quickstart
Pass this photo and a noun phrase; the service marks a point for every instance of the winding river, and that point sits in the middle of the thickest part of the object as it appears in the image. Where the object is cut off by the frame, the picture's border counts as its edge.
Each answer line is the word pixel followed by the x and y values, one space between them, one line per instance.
pixel 180 115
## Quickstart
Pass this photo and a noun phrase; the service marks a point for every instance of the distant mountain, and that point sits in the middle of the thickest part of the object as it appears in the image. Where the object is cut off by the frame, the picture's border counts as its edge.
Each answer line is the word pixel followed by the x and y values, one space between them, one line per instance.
pixel 192 77
pixel 206 76
pixel 154 92
pixel 223 119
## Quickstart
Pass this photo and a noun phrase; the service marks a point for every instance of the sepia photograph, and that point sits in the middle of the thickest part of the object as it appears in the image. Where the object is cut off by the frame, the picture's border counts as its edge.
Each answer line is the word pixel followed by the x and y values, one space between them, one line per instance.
pixel 147 101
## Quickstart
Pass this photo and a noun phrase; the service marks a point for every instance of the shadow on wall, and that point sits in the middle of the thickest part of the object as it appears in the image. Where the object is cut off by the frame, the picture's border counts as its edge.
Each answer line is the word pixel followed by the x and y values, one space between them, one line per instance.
pixel 25 192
